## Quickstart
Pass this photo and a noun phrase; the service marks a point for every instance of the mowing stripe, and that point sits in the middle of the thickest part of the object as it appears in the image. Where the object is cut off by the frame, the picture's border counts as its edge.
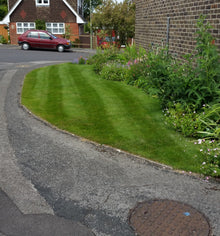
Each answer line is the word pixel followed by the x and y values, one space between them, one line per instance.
pixel 96 108
pixel 76 100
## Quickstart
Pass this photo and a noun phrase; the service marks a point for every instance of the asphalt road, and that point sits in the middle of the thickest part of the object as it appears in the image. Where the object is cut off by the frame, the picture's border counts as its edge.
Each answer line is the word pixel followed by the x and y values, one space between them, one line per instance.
pixel 46 171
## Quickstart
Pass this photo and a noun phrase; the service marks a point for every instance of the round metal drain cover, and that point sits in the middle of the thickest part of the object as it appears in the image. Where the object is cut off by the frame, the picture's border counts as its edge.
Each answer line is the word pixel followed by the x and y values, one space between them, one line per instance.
pixel 166 218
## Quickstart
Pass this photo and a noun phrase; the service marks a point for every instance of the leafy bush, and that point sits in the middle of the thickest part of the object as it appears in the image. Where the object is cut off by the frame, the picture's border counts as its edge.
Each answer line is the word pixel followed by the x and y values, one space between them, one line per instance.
pixel 113 71
pixel 82 61
pixel 184 119
pixel 75 43
pixel 135 71
pixel 131 53
pixel 101 58
pixel 205 88
pixel 211 122
pixel 40 24
pixel 210 150
pixel 3 40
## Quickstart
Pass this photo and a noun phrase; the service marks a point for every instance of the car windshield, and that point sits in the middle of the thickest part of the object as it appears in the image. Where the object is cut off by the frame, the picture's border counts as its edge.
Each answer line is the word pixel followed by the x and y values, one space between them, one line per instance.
pixel 52 35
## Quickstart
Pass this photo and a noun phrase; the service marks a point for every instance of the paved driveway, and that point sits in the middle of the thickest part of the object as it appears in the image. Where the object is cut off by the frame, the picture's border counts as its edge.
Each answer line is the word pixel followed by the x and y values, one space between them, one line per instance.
pixel 44 170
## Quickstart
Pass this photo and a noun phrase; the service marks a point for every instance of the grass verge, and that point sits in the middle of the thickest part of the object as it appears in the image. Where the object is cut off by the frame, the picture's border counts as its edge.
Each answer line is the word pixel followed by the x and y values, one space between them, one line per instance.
pixel 73 98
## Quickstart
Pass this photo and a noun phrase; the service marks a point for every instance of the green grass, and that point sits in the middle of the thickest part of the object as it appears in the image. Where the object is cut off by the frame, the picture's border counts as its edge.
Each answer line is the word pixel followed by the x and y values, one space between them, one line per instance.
pixel 74 98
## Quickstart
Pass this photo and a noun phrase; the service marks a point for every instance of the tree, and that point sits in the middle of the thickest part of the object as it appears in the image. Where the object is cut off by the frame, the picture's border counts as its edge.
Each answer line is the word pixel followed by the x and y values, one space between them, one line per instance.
pixel 3 9
pixel 86 7
pixel 119 17
pixel 40 24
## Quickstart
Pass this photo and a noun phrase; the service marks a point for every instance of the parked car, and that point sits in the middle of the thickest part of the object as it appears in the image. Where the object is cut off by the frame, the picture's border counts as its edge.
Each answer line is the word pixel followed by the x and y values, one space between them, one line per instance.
pixel 106 41
pixel 42 39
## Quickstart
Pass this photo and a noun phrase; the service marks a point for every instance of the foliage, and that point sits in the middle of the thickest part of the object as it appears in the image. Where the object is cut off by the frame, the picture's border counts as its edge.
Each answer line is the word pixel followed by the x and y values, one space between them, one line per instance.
pixel 3 40
pixel 3 10
pixel 210 118
pixel 86 7
pixel 113 71
pixel 184 119
pixel 132 53
pixel 102 57
pixel 210 150
pixel 205 88
pixel 82 61
pixel 76 43
pixel 40 24
pixel 119 17
pixel 67 32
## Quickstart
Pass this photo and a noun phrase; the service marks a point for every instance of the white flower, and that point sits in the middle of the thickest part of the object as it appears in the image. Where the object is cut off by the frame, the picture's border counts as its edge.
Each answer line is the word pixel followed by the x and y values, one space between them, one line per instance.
pixel 204 163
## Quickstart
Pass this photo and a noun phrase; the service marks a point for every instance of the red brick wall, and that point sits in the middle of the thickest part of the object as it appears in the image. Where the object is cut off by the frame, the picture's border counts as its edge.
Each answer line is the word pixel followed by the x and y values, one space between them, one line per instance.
pixel 74 31
pixel 151 22
pixel 13 33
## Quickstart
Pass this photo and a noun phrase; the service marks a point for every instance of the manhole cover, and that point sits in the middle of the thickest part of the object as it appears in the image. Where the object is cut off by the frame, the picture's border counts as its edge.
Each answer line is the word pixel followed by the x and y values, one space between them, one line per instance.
pixel 166 217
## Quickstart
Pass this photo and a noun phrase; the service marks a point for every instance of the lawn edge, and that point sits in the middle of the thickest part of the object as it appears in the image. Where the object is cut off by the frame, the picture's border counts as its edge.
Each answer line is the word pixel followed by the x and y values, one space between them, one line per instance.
pixel 105 147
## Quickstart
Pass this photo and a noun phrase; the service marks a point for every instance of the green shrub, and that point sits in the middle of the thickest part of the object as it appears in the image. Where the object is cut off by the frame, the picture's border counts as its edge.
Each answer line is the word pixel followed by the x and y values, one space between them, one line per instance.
pixel 82 61
pixel 113 71
pixel 205 87
pixel 131 53
pixel 101 58
pixel 210 162
pixel 183 119
pixel 135 71
pixel 210 118
pixel 75 43
pixel 40 24
pixel 3 40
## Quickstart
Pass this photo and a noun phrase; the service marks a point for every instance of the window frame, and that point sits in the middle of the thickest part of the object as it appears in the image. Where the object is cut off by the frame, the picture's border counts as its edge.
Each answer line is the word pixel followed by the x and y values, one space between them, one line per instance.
pixel 21 27
pixel 52 28
pixel 43 3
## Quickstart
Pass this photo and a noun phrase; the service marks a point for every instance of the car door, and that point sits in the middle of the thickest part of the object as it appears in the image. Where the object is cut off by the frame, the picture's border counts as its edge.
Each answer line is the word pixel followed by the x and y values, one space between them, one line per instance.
pixel 33 38
pixel 46 41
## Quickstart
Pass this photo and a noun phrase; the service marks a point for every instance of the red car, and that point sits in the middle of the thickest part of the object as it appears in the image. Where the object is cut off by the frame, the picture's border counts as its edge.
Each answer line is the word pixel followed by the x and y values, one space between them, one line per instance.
pixel 42 39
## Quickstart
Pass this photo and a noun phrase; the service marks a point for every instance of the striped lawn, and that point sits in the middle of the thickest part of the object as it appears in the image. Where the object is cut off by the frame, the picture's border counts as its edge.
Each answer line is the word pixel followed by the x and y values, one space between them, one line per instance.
pixel 74 98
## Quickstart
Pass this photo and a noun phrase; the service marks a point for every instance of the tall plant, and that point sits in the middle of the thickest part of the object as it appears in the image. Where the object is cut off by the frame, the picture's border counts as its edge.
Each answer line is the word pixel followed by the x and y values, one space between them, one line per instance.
pixel 205 87
pixel 40 24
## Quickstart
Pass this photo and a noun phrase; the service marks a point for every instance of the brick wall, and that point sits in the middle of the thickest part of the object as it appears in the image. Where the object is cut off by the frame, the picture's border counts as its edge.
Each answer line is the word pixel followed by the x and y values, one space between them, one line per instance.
pixel 151 22
pixel 13 33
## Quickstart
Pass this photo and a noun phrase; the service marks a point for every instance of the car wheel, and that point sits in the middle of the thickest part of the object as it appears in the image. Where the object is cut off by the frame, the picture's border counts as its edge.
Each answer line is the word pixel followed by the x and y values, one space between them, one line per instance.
pixel 25 46
pixel 60 48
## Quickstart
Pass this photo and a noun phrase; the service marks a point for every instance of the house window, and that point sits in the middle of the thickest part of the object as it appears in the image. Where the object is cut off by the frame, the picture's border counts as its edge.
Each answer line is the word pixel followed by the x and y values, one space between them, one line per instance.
pixel 56 28
pixel 42 2
pixel 24 26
